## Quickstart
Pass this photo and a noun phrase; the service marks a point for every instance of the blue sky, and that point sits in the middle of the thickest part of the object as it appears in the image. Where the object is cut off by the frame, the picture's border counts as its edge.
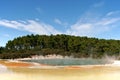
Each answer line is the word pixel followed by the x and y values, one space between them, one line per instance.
pixel 92 18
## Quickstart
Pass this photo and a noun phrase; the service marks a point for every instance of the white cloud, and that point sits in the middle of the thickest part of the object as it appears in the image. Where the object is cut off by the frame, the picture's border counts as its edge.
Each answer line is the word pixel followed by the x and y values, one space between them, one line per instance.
pixel 30 26
pixel 58 21
pixel 7 23
pixel 106 22
pixel 85 26
pixel 94 23
pixel 80 29
pixel 92 26
pixel 113 13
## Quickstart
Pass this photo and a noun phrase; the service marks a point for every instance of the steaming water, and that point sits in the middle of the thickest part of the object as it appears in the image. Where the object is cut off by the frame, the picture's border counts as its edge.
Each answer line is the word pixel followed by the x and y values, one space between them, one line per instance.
pixel 68 62
pixel 3 69
pixel 110 72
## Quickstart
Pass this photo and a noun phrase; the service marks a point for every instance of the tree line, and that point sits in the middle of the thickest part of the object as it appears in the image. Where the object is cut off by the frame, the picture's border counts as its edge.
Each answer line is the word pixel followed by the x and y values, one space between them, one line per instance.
pixel 65 45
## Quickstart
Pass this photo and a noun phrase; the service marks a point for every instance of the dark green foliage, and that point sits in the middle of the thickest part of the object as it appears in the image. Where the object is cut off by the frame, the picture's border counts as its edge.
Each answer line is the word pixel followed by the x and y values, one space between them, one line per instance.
pixel 64 45
pixel 1 50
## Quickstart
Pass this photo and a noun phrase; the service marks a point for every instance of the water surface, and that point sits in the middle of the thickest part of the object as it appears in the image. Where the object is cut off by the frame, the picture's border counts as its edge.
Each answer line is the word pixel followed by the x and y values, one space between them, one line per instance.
pixel 70 61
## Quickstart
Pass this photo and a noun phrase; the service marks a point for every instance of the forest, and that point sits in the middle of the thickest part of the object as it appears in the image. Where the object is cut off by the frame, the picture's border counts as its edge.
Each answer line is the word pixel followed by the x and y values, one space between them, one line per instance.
pixel 60 44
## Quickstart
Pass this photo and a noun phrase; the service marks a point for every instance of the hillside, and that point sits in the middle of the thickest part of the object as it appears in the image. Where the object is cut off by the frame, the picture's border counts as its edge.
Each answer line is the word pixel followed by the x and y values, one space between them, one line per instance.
pixel 64 45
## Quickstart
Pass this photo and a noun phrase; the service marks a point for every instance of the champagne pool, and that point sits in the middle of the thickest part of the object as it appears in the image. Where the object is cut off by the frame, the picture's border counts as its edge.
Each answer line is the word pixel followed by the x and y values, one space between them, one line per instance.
pixel 70 61
pixel 84 69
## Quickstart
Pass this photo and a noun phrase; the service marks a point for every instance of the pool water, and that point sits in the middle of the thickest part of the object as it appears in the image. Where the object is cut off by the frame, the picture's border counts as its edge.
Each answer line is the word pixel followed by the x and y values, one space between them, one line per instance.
pixel 72 61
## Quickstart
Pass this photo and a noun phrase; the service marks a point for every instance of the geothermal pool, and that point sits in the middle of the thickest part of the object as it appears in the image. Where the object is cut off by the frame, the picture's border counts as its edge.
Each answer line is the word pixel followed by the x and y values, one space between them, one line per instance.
pixel 25 71
pixel 71 61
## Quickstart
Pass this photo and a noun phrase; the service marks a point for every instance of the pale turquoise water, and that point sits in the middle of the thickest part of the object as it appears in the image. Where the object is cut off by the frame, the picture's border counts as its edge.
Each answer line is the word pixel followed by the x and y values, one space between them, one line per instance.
pixel 72 61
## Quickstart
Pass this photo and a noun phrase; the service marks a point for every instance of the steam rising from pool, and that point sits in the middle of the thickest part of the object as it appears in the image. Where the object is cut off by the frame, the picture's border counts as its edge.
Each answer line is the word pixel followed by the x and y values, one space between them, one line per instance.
pixel 116 63
pixel 71 61
pixel 3 69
